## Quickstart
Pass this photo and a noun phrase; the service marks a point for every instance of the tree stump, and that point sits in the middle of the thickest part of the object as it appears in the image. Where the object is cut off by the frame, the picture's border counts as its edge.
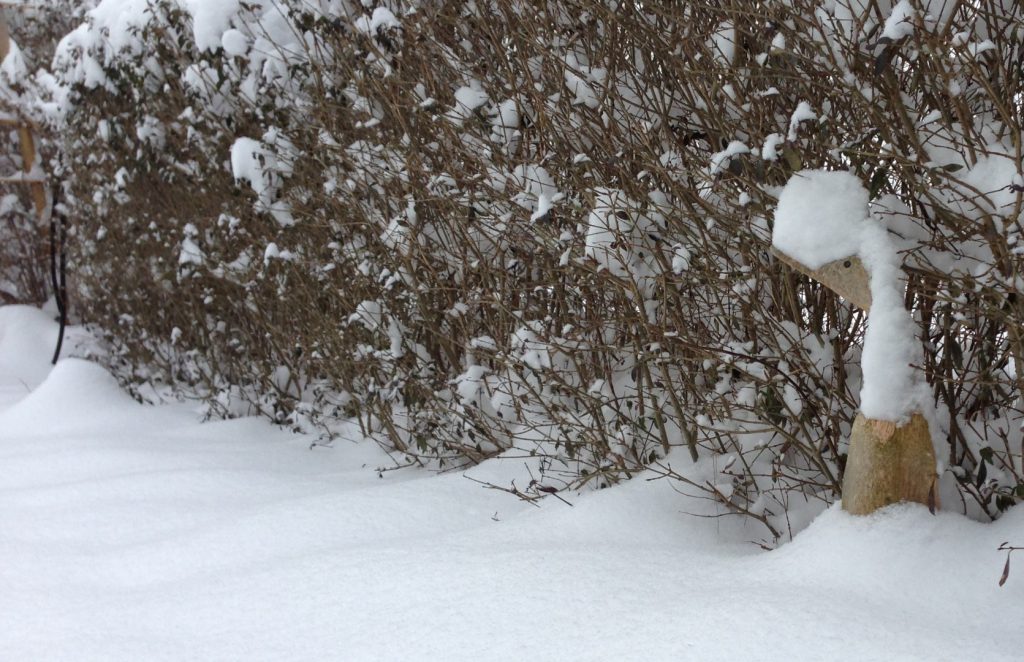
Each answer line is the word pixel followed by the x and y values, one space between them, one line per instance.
pixel 888 464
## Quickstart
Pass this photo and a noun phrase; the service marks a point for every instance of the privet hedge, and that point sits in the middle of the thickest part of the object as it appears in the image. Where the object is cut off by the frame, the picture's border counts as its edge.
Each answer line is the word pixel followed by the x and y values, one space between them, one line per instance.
pixel 542 228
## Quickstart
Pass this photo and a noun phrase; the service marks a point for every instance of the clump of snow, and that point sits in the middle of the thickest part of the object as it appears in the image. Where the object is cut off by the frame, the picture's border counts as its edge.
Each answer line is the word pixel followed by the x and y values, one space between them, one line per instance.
pixel 190 253
pixel 803 113
pixel 993 175
pixel 505 123
pixel 900 23
pixel 210 20
pixel 251 161
pixel 275 252
pixel 245 164
pixel 609 221
pixel 531 350
pixel 770 149
pixel 120 20
pixel 467 99
pixel 820 217
pixel 370 314
pixel 584 82
pixel 720 160
pixel 26 335
pixel 382 18
pixel 680 259
pixel 538 191
pixel 981 47
pixel 234 42
pixel 13 65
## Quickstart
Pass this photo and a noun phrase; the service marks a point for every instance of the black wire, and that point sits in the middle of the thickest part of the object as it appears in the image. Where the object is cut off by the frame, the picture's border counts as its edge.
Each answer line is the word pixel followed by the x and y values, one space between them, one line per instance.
pixel 58 271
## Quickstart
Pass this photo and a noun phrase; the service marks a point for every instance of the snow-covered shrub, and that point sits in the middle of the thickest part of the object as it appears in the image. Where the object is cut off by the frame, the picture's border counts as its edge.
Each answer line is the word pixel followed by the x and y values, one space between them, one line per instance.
pixel 544 228
pixel 34 30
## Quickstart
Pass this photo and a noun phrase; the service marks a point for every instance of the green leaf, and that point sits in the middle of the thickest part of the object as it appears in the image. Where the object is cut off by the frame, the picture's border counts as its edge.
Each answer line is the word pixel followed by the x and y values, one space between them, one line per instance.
pixel 878 180
pixel 793 159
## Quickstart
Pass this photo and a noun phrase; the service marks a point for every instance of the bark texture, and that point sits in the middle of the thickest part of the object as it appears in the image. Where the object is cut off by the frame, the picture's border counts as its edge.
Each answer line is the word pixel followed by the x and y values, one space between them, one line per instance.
pixel 888 464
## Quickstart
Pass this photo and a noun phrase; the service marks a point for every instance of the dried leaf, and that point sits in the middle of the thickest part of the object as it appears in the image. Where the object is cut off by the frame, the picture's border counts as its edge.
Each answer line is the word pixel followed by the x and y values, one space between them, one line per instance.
pixel 1006 571
pixel 793 159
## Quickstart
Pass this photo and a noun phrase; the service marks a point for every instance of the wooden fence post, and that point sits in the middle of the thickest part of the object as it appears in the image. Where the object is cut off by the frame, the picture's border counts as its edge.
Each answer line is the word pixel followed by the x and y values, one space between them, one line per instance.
pixel 31 174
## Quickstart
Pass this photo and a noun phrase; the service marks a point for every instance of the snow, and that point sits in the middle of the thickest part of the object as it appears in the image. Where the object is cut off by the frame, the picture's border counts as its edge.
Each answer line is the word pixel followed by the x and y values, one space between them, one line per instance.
pixel 381 19
pixel 190 252
pixel 467 100
pixel 275 252
pixel 13 65
pixel 120 20
pixel 506 123
pixel 210 20
pixel 820 217
pixel 992 175
pixel 803 113
pixel 253 162
pixel 723 43
pixel 245 154
pixel 606 223
pixel 720 160
pixel 26 334
pixel 538 192
pixel 234 42
pixel 892 389
pixel 135 532
pixel 981 47
pixel 900 23
pixel 583 81
pixel 823 216
pixel 770 149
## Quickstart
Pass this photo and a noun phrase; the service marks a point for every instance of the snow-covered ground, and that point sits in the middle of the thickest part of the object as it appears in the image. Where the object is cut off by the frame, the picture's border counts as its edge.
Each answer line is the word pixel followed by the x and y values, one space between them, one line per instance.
pixel 138 533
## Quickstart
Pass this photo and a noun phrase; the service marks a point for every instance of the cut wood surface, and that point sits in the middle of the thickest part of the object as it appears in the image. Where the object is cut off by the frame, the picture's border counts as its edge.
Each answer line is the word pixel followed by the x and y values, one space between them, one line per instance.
pixel 847 277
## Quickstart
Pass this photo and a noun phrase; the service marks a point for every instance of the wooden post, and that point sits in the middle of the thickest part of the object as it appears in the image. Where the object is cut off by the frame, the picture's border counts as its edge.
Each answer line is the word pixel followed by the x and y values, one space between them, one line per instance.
pixel 887 463
pixel 26 141
pixel 30 174
pixel 5 37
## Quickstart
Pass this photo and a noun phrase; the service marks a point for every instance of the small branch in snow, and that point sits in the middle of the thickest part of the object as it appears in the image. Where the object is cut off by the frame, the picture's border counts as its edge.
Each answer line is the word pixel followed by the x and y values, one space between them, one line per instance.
pixel 513 490
pixel 1009 549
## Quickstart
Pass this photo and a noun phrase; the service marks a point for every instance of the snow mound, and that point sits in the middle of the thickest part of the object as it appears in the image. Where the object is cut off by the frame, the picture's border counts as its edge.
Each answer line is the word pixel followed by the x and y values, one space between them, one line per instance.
pixel 899 548
pixel 27 338
pixel 75 395
pixel 135 532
